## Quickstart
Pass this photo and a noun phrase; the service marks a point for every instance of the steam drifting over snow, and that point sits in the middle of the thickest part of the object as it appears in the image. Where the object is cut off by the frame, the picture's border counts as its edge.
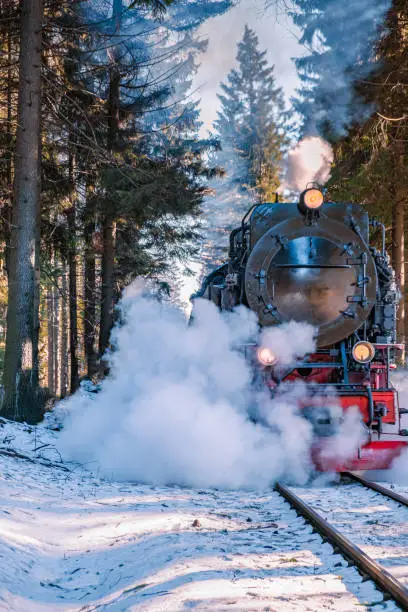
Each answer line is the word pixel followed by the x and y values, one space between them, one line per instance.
pixel 175 406
pixel 174 409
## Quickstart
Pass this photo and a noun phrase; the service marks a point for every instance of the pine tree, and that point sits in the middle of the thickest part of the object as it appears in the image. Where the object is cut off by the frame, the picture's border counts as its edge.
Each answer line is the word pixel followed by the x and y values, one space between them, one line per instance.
pixel 156 178
pixel 119 143
pixel 251 126
pixel 250 123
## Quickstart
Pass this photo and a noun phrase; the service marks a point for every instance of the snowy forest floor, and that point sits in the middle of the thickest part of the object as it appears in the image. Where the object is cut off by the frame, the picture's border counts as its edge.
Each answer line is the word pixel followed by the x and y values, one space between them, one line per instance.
pixel 72 541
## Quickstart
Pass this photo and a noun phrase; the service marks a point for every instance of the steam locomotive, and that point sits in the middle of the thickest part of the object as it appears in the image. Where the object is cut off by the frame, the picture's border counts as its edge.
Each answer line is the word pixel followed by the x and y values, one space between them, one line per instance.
pixel 311 261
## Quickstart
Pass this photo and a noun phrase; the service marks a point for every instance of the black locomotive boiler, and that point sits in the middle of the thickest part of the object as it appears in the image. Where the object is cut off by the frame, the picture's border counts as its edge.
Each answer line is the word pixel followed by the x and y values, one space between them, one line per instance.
pixel 311 261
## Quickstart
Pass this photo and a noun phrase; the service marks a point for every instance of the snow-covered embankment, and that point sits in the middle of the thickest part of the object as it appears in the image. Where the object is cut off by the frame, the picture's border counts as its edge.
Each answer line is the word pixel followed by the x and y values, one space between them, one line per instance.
pixel 71 541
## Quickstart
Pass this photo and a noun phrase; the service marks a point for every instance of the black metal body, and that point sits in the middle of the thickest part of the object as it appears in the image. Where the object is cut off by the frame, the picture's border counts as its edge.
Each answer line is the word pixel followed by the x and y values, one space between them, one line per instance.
pixel 321 270
pixel 316 265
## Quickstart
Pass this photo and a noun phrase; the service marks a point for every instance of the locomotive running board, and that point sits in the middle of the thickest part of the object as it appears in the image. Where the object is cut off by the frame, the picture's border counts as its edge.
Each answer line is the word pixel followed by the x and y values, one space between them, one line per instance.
pixel 376 455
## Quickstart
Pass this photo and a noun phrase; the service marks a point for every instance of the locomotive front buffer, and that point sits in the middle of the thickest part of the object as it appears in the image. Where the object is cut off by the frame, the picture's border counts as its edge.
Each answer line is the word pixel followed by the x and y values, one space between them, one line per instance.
pixel 315 262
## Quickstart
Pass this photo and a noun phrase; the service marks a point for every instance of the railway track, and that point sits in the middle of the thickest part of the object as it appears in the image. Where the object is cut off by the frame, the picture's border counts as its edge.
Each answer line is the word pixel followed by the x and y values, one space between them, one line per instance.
pixel 378 488
pixel 367 566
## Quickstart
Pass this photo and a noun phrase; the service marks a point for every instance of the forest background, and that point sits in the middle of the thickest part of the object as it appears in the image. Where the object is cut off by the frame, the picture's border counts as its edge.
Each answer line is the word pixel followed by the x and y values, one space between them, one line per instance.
pixel 104 175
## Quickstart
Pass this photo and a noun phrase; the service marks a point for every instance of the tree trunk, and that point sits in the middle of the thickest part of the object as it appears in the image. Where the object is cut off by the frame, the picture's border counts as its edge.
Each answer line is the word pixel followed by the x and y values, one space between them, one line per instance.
pixel 50 340
pixel 398 236
pixel 398 257
pixel 64 332
pixel 9 155
pixel 35 376
pixel 109 224
pixel 90 290
pixel 90 313
pixel 73 318
pixel 21 398
pixel 55 335
pixel 406 283
pixel 107 293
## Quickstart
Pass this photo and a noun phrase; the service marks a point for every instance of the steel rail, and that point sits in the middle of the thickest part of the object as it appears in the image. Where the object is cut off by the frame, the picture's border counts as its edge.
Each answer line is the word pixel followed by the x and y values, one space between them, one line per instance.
pixel 368 566
pixel 378 488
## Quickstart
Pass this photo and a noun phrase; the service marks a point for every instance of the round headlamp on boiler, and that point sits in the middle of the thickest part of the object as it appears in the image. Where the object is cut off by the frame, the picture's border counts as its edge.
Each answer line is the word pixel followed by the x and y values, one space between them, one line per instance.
pixel 310 201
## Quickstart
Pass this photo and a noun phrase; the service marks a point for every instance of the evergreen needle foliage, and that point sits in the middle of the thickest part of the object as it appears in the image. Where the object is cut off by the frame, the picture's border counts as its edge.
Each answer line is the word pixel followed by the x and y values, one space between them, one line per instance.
pixel 251 122
pixel 122 172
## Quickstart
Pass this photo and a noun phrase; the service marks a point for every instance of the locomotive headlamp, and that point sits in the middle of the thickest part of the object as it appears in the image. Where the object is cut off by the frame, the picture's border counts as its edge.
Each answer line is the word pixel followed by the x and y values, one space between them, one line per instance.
pixel 363 352
pixel 312 198
pixel 266 357
pixel 310 201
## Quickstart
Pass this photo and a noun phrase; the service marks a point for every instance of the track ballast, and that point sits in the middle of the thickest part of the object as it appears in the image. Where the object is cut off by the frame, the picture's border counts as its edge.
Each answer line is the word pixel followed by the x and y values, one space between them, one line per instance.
pixel 368 566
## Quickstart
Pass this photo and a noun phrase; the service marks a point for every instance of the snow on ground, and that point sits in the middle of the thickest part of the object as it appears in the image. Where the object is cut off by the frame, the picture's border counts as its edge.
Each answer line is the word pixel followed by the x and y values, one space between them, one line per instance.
pixel 71 541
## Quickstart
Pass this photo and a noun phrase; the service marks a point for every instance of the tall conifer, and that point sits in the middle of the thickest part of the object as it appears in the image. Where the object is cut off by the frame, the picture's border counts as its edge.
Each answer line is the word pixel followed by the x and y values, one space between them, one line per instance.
pixel 250 123
pixel 21 357
pixel 251 126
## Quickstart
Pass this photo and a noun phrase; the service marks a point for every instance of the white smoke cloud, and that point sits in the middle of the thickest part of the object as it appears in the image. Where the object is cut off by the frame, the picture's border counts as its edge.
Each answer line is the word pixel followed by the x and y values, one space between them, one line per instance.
pixel 350 436
pixel 398 473
pixel 289 340
pixel 174 408
pixel 309 161
pixel 399 379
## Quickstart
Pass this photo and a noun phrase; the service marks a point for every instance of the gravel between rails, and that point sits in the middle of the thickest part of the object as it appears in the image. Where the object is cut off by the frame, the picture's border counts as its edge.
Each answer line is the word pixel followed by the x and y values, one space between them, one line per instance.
pixel 378 525
pixel 369 568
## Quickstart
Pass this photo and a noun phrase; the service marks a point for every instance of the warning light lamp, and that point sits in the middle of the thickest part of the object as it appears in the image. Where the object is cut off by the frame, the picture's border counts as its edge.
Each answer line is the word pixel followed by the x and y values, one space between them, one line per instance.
pixel 363 352
pixel 311 200
pixel 266 357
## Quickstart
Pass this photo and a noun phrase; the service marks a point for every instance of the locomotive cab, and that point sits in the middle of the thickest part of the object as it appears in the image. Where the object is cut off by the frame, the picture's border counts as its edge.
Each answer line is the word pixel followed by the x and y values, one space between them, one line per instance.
pixel 311 261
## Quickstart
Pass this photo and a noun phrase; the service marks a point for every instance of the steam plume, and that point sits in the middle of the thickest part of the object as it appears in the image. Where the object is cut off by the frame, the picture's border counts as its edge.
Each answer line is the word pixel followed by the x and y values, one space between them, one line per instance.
pixel 398 473
pixel 342 38
pixel 289 340
pixel 175 406
pixel 310 161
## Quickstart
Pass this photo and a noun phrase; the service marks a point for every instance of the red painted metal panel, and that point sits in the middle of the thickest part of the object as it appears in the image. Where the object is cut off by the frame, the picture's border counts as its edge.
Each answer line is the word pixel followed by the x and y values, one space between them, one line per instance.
pixel 378 455
pixel 361 401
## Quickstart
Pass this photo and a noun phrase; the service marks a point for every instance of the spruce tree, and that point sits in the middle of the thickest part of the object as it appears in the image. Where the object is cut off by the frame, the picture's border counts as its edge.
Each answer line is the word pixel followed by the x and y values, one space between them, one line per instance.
pixel 251 126
pixel 119 142
pixel 250 123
